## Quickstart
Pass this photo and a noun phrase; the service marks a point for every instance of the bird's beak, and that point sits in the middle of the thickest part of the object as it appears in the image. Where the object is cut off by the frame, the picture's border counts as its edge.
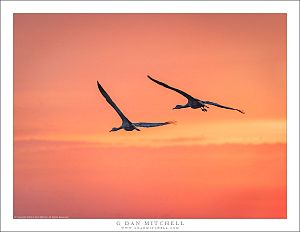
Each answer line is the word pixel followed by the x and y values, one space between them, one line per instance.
pixel 110 130
pixel 174 108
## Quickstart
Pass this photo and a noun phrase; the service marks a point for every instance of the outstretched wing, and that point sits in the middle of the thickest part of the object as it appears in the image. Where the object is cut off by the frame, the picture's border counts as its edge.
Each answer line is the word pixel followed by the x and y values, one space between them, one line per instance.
pixel 189 97
pixel 218 105
pixel 110 101
pixel 152 124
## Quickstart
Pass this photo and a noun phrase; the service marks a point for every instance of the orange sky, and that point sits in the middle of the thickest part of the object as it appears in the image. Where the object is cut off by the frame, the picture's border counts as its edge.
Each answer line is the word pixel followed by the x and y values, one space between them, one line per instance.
pixel 63 149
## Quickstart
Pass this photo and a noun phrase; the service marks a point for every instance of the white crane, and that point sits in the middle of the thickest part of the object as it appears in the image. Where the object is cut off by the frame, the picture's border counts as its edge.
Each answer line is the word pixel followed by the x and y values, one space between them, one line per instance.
pixel 126 124
pixel 194 103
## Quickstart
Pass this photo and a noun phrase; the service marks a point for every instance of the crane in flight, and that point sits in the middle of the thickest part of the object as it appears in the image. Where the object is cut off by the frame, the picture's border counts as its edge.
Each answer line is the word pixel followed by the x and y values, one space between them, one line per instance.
pixel 126 124
pixel 193 103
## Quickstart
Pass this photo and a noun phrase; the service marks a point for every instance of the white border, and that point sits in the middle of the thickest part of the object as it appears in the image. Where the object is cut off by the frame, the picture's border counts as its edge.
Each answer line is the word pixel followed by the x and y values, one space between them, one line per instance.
pixel 7 10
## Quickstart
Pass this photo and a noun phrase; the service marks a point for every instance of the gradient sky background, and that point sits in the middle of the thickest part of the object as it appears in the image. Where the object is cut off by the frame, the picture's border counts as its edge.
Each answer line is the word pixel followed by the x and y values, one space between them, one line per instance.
pixel 219 164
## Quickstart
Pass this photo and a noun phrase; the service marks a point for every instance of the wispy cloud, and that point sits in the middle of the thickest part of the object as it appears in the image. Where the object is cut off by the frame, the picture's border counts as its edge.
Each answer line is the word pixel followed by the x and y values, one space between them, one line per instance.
pixel 180 140
pixel 237 132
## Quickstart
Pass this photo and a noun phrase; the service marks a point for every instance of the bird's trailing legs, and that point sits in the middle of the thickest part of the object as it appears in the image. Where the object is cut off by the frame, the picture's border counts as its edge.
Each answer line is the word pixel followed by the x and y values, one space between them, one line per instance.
pixel 203 108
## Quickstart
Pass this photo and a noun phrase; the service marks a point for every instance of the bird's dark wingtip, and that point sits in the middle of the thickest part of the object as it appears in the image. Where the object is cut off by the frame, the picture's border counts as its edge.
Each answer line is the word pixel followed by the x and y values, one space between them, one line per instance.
pixel 100 87
pixel 98 84
pixel 150 77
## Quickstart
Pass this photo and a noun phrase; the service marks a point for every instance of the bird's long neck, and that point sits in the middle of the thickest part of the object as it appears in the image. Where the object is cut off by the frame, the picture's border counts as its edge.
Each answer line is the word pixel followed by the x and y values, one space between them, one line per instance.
pixel 183 106
pixel 119 128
